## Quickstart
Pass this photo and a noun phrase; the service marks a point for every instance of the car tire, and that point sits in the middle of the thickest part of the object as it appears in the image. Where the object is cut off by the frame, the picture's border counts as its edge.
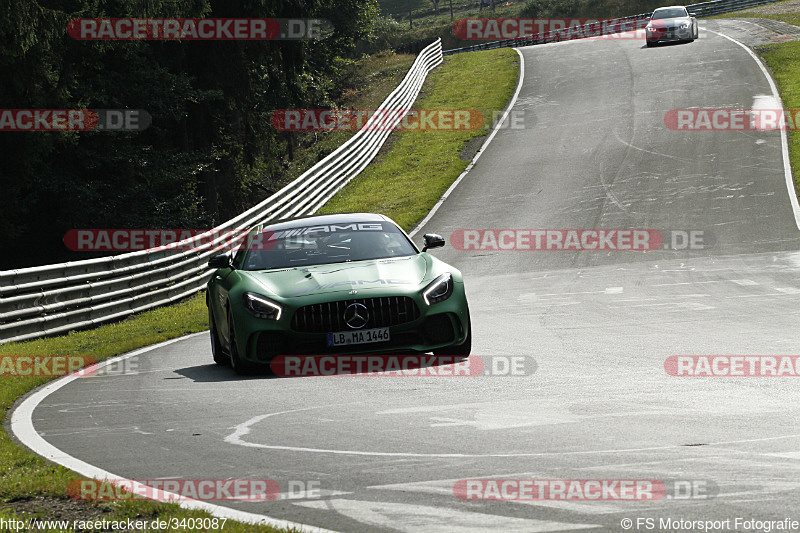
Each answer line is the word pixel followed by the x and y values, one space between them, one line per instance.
pixel 460 349
pixel 239 366
pixel 216 347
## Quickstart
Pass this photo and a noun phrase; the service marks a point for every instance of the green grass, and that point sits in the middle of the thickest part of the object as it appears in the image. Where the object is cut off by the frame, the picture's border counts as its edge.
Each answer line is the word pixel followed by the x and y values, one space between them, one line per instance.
pixel 408 180
pixel 791 18
pixel 784 61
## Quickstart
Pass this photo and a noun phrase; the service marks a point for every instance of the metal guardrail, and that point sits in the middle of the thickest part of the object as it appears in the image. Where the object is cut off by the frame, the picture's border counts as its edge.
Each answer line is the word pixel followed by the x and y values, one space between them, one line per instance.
pixel 56 298
pixel 612 26
pixel 717 7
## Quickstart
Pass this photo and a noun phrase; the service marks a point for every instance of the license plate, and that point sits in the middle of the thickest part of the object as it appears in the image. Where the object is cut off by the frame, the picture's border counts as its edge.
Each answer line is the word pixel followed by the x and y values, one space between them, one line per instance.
pixel 343 338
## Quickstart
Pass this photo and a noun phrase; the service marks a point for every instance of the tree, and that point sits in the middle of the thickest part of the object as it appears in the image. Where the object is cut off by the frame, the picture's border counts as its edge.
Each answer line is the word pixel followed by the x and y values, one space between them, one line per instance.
pixel 210 151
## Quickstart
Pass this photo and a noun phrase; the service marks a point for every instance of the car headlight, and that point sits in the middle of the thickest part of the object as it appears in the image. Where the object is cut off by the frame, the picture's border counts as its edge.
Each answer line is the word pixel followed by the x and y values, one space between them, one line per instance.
pixel 439 290
pixel 650 28
pixel 261 306
pixel 684 26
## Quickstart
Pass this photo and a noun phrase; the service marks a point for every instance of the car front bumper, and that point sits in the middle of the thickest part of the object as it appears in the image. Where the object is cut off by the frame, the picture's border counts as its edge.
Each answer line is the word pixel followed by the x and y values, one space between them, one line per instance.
pixel 670 34
pixel 437 326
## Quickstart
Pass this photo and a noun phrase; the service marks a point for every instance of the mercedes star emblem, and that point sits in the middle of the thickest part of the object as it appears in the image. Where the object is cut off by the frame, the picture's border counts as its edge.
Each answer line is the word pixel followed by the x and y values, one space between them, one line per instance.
pixel 356 315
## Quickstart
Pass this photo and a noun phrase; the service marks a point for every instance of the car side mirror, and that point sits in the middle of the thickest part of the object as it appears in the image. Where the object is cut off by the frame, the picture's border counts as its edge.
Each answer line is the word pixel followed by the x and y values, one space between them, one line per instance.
pixel 432 240
pixel 692 14
pixel 220 261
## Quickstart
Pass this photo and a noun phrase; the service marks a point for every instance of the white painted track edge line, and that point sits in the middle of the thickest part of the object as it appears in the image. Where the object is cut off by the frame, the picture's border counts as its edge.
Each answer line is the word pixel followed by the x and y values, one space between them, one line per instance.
pixel 478 155
pixel 21 427
pixel 787 167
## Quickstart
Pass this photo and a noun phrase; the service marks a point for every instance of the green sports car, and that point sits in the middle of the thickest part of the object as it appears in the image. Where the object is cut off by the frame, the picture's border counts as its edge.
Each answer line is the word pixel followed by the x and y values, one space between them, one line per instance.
pixel 334 284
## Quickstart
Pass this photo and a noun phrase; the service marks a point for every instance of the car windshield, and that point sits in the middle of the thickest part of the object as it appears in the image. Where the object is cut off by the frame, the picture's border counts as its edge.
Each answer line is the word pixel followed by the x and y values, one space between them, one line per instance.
pixel 670 12
pixel 324 244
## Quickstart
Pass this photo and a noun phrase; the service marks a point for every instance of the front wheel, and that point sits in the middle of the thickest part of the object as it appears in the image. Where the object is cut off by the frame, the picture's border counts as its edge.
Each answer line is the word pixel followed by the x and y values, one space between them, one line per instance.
pixel 216 347
pixel 238 365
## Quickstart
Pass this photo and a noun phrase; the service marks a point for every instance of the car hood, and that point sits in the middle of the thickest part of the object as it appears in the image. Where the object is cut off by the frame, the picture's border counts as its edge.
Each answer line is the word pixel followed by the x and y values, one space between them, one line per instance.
pixel 675 21
pixel 405 272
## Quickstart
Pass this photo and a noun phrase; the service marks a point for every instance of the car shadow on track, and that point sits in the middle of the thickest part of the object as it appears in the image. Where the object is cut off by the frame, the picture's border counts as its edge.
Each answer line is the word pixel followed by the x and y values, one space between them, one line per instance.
pixel 417 364
pixel 666 43
pixel 213 373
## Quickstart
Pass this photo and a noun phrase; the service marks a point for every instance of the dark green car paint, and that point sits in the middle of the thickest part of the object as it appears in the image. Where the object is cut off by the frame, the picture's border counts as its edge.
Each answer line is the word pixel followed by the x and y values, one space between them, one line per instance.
pixel 296 287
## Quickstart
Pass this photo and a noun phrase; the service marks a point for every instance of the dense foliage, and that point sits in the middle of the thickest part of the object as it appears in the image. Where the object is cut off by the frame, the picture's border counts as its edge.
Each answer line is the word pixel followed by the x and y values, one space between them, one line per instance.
pixel 210 151
pixel 588 8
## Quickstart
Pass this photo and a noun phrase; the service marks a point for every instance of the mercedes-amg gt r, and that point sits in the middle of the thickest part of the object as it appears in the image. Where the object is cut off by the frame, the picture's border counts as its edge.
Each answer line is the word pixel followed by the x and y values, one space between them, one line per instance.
pixel 334 284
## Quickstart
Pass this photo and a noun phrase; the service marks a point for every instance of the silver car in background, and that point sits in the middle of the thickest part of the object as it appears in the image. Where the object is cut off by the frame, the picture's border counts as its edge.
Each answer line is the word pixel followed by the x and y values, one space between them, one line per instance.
pixel 673 23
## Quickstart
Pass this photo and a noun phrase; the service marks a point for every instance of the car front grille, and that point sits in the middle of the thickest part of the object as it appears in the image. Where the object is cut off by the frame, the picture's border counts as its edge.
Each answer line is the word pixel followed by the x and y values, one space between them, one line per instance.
pixel 328 317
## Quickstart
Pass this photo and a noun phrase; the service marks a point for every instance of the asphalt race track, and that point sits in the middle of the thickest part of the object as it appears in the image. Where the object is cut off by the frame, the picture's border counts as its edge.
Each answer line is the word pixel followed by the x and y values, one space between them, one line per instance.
pixel 385 453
